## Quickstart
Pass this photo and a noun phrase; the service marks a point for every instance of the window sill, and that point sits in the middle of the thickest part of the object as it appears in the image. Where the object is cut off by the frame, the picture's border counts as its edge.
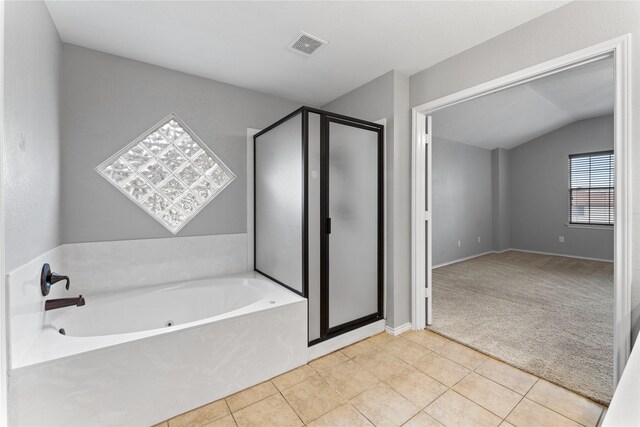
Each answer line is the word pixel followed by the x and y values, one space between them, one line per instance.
pixel 591 227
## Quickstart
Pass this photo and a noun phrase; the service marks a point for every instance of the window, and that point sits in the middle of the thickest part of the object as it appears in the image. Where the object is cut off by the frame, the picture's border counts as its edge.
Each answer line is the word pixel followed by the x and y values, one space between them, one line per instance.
pixel 168 172
pixel 591 188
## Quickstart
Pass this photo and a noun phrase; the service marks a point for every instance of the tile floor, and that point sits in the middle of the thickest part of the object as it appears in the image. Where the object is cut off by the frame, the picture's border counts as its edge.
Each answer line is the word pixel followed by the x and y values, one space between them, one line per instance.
pixel 415 379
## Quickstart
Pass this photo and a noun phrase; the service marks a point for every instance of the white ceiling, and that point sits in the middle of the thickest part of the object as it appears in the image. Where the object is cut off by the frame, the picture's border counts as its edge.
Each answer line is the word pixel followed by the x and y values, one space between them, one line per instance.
pixel 519 114
pixel 244 43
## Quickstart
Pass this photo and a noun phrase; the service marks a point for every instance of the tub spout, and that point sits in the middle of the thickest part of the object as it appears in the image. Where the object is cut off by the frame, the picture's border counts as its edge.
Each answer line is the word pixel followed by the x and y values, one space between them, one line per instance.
pixel 52 304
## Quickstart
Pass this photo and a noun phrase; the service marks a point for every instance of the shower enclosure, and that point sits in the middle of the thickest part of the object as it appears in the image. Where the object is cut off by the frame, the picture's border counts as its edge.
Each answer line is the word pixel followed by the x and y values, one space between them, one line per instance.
pixel 319 216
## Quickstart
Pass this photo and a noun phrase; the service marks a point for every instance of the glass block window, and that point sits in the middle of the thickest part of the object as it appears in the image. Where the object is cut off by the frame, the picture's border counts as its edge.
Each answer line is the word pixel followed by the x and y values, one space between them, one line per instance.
pixel 169 172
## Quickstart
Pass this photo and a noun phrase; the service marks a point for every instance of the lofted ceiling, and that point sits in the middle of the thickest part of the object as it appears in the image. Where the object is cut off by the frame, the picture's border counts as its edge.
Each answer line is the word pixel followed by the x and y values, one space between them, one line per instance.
pixel 244 43
pixel 519 114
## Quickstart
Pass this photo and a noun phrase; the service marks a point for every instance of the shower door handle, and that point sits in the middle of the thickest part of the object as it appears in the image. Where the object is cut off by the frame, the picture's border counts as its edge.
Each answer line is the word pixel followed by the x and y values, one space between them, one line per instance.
pixel 328 225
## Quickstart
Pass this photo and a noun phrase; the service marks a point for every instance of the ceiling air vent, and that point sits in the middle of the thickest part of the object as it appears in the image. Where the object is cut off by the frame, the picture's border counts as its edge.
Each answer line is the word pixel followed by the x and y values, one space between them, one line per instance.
pixel 306 44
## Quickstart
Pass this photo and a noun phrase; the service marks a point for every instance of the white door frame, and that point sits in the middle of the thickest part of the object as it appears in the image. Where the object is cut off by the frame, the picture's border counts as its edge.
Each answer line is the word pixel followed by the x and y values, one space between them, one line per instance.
pixel 620 47
pixel 4 392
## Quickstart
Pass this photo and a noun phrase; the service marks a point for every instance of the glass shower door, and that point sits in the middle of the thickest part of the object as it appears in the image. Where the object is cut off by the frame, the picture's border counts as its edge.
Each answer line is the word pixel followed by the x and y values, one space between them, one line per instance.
pixel 279 204
pixel 352 202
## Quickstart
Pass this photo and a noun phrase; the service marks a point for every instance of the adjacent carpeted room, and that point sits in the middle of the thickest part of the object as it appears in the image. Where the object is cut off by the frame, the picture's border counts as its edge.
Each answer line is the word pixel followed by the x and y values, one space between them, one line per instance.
pixel 549 315
pixel 523 226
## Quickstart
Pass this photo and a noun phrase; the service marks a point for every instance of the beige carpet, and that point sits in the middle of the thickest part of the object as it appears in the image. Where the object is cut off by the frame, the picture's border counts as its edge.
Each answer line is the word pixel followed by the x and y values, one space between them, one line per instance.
pixel 551 316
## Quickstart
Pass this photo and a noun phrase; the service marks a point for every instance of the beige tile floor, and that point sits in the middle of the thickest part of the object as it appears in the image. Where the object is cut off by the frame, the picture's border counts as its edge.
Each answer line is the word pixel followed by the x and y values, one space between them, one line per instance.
pixel 416 379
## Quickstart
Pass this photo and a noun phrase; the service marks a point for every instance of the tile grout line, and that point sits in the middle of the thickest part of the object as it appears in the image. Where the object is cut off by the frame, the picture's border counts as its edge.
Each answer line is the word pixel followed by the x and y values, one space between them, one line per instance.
pixel 381 382
pixel 439 396
pixel 513 409
pixel 486 409
pixel 427 348
pixel 362 392
pixel 482 406
pixel 360 412
pixel 471 369
pixel 522 396
pixel 234 419
pixel 553 410
pixel 230 413
pixel 253 403
pixel 508 388
pixel 502 385
pixel 289 405
pixel 433 416
pixel 452 361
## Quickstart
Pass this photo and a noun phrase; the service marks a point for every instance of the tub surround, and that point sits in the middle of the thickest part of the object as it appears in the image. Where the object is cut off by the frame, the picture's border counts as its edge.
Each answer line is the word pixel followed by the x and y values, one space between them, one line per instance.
pixel 152 375
pixel 115 318
pixel 137 374
pixel 126 264
pixel 102 267
pixel 26 303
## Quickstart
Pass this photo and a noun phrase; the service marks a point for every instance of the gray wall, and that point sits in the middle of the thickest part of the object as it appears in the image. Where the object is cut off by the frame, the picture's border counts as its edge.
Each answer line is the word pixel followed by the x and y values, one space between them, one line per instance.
pixel 572 27
pixel 107 101
pixel 401 200
pixel 32 134
pixel 462 203
pixel 388 97
pixel 539 179
pixel 514 198
pixel 501 200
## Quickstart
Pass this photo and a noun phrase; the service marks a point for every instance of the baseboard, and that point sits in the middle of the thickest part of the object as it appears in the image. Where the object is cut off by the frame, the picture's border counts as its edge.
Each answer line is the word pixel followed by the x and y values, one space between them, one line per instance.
pixel 519 250
pixel 463 259
pixel 555 254
pixel 343 340
pixel 400 329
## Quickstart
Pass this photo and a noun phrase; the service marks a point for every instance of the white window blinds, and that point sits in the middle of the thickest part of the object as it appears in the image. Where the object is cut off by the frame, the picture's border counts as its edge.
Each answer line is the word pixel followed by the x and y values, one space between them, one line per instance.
pixel 591 188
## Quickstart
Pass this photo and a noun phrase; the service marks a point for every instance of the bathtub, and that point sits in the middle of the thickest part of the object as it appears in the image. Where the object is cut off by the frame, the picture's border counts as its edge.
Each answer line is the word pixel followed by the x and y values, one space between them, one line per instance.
pixel 141 356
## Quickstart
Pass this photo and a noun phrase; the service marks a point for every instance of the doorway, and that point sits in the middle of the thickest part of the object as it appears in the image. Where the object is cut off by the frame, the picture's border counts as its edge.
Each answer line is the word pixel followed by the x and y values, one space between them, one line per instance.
pixel 422 202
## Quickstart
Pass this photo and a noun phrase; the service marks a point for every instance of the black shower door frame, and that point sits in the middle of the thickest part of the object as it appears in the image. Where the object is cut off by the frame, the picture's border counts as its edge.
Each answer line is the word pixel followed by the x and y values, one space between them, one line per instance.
pixel 326 118
pixel 326 331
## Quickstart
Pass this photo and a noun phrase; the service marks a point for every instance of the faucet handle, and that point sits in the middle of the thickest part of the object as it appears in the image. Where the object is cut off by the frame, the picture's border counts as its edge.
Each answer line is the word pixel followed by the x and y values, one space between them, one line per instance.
pixel 55 278
pixel 48 278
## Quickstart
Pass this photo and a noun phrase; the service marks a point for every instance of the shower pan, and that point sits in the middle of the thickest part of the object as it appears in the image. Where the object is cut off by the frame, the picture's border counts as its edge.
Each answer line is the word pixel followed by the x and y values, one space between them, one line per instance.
pixel 318 201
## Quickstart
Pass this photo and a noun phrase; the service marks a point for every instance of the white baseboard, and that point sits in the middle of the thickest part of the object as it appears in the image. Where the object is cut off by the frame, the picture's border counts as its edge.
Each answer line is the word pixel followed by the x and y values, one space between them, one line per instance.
pixel 519 250
pixel 555 254
pixel 400 329
pixel 464 259
pixel 348 338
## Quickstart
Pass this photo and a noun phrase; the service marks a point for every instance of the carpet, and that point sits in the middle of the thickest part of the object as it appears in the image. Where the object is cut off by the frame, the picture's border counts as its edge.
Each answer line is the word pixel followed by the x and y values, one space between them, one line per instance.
pixel 549 315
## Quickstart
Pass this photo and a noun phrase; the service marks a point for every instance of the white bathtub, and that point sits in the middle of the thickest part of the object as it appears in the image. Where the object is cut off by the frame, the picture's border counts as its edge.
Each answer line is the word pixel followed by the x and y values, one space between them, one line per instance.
pixel 138 357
